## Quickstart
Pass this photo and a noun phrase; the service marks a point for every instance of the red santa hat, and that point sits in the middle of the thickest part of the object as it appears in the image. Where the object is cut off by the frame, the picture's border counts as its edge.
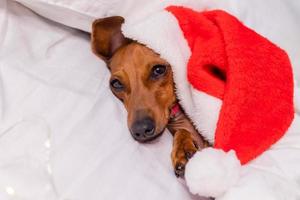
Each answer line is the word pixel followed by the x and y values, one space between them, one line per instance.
pixel 234 84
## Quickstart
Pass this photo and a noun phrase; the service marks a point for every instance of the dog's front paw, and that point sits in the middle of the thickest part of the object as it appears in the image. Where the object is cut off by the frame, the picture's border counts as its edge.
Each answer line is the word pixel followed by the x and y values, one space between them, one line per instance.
pixel 184 148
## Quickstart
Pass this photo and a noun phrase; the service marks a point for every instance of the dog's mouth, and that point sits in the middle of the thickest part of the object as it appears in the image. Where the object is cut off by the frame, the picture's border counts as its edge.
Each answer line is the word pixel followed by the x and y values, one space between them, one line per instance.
pixel 149 139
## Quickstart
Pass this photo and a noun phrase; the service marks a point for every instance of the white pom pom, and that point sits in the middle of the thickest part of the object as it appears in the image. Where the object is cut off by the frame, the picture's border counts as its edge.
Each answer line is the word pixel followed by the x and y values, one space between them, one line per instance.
pixel 211 172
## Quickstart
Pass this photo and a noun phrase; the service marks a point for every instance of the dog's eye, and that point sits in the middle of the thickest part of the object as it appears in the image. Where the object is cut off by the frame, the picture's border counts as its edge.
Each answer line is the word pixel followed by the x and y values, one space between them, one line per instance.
pixel 158 71
pixel 116 84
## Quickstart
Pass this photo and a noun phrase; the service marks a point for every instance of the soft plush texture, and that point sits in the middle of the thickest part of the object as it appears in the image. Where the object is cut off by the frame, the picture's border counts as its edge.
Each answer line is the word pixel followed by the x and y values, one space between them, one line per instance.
pixel 251 118
pixel 210 163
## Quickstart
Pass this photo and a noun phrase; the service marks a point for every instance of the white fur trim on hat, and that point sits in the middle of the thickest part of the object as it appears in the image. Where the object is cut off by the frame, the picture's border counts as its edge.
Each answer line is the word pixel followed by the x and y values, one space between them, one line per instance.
pixel 211 172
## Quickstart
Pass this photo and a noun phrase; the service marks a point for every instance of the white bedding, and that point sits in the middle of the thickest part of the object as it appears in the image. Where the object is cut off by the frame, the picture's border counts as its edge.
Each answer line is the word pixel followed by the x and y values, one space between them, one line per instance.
pixel 62 133
pixel 52 84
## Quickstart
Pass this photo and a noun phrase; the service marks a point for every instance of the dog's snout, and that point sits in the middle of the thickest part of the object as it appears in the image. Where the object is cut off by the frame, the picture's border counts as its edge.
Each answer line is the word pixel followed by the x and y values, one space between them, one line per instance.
pixel 143 129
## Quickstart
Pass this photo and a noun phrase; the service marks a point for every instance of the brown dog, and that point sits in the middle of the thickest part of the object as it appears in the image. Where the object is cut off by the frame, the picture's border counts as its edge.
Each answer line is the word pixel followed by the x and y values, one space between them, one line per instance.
pixel 143 81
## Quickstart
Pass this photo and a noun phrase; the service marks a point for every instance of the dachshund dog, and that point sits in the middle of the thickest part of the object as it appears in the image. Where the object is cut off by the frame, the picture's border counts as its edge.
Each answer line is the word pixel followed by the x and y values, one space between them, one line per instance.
pixel 143 81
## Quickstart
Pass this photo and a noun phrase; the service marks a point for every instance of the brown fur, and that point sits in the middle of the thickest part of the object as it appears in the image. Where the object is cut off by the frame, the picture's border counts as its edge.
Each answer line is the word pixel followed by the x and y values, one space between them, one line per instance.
pixel 132 63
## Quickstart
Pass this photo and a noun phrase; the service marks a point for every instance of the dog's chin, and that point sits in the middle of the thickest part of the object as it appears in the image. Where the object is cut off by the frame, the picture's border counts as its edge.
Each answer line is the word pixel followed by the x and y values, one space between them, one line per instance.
pixel 151 139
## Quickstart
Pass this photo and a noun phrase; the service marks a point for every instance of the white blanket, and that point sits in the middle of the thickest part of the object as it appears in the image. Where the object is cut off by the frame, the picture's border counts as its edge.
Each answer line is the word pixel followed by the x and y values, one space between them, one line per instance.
pixel 53 87
pixel 62 133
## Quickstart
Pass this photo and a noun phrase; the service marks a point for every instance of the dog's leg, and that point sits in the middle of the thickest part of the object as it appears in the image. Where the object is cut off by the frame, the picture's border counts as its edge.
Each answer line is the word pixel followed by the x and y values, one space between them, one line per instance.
pixel 185 143
pixel 184 147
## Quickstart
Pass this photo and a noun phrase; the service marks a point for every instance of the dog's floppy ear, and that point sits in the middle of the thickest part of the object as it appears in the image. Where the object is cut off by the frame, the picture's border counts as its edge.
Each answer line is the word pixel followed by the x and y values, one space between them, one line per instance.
pixel 107 36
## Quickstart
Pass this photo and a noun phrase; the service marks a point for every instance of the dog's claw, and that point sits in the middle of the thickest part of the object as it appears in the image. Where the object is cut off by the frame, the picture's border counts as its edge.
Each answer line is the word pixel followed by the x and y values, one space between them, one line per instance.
pixel 196 145
pixel 179 170
pixel 189 155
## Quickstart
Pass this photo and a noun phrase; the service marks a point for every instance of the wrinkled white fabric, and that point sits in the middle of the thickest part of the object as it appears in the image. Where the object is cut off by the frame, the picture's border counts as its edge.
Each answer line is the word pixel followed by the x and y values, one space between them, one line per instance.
pixel 53 89
pixel 52 86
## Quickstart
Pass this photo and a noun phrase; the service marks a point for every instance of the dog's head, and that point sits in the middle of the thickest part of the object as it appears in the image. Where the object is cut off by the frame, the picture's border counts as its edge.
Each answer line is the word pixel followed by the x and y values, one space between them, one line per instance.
pixel 140 78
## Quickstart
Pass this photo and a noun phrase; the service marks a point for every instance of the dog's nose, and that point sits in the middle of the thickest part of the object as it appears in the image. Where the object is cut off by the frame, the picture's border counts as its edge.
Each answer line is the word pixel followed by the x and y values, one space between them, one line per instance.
pixel 143 129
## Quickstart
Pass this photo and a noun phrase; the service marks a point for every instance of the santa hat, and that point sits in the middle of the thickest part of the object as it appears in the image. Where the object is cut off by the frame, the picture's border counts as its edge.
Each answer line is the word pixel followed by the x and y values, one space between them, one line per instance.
pixel 223 73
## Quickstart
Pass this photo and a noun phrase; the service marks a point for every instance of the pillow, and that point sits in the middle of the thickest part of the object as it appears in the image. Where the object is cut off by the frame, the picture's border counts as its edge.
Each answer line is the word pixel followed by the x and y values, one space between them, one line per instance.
pixel 71 13
pixel 80 14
